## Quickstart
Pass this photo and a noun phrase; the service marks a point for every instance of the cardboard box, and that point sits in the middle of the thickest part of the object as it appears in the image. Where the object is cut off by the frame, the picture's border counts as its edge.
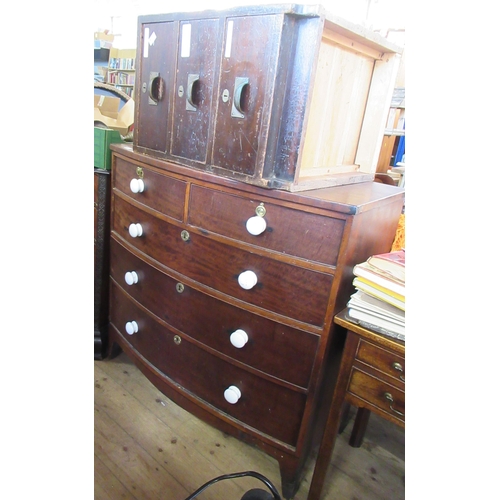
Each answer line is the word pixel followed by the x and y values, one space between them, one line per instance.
pixel 103 35
pixel 103 138
pixel 103 40
pixel 106 112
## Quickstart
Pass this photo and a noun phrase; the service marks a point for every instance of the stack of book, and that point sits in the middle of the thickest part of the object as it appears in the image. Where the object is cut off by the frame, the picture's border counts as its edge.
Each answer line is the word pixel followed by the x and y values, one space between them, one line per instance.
pixel 379 301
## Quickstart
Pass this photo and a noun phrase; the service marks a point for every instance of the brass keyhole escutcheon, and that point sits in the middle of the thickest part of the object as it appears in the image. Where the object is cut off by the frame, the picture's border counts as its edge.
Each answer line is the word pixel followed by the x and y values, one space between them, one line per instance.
pixel 139 172
pixel 225 95
pixel 261 210
pixel 177 339
pixel 185 235
pixel 180 92
pixel 144 87
pixel 179 287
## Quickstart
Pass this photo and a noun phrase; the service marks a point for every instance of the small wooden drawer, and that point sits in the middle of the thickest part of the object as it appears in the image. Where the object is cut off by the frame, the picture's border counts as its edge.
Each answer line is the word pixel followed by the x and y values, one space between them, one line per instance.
pixel 287 230
pixel 161 192
pixel 270 408
pixel 269 345
pixel 282 288
pixel 381 359
pixel 382 396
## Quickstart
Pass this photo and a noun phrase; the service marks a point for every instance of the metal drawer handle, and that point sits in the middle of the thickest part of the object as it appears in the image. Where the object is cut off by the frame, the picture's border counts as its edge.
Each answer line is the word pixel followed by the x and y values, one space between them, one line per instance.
pixel 388 396
pixel 399 368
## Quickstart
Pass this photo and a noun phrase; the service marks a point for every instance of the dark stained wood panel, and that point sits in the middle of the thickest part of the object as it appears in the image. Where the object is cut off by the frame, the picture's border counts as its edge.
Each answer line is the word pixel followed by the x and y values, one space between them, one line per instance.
pixel 288 230
pixel 248 69
pixel 282 407
pixel 212 321
pixel 154 87
pixel 161 192
pixel 285 289
pixel 194 88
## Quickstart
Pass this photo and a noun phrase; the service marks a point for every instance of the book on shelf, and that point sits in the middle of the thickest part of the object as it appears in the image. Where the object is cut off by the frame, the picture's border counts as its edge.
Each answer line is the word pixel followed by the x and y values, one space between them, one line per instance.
pixel 372 274
pixel 366 303
pixel 392 263
pixel 380 292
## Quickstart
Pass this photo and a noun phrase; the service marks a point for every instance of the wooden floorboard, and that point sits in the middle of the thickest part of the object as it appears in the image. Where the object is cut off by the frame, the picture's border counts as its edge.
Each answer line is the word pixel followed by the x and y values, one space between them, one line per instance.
pixel 148 448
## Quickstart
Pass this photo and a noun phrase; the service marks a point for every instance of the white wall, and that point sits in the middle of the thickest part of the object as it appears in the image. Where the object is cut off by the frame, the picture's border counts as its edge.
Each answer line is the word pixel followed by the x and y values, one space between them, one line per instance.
pixel 120 16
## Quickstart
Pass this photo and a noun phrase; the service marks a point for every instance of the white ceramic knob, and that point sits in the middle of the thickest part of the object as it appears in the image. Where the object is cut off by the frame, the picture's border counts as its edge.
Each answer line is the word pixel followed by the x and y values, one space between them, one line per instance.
pixel 247 279
pixel 239 338
pixel 256 225
pixel 137 185
pixel 232 394
pixel 131 327
pixel 131 278
pixel 135 230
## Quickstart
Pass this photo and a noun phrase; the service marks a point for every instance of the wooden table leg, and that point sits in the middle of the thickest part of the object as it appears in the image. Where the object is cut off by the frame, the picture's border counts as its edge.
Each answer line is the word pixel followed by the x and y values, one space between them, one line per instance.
pixel 359 428
pixel 333 421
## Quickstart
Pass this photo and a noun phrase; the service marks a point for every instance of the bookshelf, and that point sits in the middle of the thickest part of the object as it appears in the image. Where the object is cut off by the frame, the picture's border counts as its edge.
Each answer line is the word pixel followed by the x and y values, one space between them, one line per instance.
pixel 121 69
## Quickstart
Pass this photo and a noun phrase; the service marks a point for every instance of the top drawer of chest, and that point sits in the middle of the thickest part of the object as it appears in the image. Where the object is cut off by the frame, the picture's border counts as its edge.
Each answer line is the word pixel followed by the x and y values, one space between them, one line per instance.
pixel 268 225
pixel 160 192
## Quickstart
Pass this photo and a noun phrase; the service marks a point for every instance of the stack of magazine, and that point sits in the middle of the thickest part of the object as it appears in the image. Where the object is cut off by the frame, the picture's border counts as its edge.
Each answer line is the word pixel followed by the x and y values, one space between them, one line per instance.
pixel 379 301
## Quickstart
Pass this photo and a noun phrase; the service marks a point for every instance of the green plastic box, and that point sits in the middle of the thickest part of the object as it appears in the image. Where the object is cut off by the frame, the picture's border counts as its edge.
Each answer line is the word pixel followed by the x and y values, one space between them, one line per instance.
pixel 103 138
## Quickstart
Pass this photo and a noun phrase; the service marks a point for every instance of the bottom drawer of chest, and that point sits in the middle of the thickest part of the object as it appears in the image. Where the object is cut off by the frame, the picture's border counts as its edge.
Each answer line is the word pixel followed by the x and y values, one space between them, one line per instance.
pixel 379 395
pixel 267 407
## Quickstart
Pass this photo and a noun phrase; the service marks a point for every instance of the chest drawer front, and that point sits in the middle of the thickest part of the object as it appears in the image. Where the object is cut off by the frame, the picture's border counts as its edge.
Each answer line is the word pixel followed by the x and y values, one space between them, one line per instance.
pixel 381 359
pixel 383 396
pixel 269 408
pixel 282 288
pixel 270 346
pixel 293 232
pixel 161 192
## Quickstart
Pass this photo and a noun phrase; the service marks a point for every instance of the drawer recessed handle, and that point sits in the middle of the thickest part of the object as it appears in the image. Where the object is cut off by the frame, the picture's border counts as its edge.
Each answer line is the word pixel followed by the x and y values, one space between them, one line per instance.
pixel 397 366
pixel 137 186
pixel 131 327
pixel 388 396
pixel 247 280
pixel 232 394
pixel 256 225
pixel 131 277
pixel 192 89
pixel 239 338
pixel 156 88
pixel 135 230
pixel 241 86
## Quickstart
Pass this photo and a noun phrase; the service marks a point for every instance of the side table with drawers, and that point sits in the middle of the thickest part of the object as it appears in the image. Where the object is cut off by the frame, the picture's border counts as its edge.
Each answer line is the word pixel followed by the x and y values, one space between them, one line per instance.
pixel 372 378
pixel 224 293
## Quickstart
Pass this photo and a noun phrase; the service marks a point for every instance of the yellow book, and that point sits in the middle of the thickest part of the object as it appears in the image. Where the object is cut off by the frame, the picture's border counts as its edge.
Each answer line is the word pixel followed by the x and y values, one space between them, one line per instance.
pixel 380 292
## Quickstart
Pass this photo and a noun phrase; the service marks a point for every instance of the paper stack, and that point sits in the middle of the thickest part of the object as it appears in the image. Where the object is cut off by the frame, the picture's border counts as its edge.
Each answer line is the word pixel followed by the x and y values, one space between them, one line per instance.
pixel 379 301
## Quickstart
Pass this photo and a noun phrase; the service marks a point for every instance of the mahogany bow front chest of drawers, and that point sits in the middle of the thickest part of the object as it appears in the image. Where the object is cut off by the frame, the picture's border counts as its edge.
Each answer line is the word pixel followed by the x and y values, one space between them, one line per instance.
pixel 224 293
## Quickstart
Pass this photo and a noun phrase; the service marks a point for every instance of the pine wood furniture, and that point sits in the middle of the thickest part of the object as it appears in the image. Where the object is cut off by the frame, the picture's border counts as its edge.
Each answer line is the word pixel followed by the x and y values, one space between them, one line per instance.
pixel 371 377
pixel 224 293
pixel 102 193
pixel 283 96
